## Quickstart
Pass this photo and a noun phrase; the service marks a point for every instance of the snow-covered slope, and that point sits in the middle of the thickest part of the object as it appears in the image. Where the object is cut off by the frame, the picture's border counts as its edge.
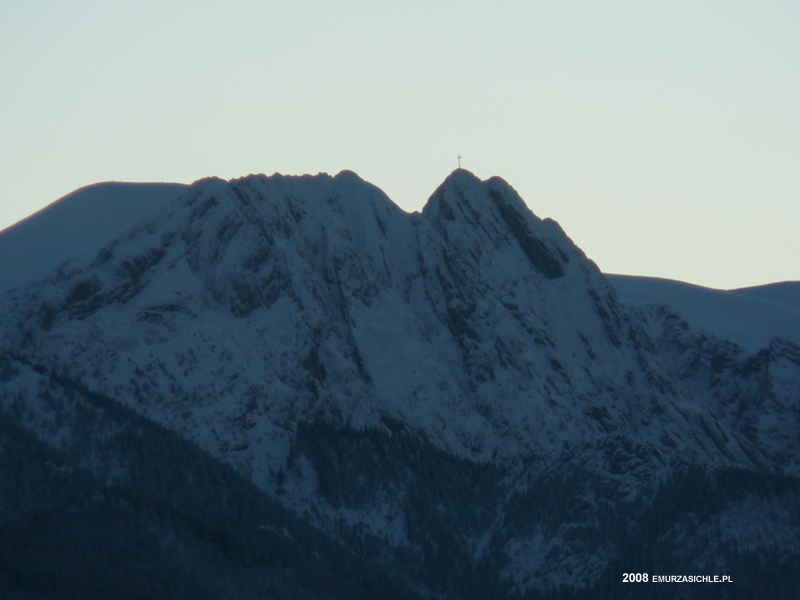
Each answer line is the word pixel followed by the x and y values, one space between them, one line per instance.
pixel 785 292
pixel 751 317
pixel 474 321
pixel 76 227
pixel 244 309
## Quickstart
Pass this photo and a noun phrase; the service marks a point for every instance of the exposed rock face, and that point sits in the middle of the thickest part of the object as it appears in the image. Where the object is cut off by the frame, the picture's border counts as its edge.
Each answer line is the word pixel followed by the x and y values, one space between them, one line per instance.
pixel 248 306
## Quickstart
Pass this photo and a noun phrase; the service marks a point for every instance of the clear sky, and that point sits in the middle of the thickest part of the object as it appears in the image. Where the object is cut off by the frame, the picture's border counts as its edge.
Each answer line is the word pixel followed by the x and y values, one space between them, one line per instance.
pixel 663 136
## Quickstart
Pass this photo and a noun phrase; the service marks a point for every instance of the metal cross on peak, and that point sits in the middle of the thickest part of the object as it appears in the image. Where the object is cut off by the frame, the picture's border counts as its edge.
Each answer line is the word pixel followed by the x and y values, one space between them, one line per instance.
pixel 459 161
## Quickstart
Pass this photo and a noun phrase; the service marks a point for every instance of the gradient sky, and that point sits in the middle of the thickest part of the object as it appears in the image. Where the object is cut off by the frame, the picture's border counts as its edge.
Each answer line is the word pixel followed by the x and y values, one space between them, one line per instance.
pixel 664 137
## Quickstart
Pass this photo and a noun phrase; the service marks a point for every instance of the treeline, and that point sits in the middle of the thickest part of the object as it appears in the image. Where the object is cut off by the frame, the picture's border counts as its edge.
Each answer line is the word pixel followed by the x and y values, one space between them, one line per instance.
pixel 686 506
pixel 173 523
pixel 127 508
pixel 449 502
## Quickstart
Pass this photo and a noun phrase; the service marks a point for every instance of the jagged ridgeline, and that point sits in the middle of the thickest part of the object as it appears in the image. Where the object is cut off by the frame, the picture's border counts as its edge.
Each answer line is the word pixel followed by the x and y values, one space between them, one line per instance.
pixel 290 384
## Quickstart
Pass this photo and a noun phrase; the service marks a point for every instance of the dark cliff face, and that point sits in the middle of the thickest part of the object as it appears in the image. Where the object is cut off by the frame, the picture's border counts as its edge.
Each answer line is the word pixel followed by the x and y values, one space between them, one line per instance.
pixel 268 319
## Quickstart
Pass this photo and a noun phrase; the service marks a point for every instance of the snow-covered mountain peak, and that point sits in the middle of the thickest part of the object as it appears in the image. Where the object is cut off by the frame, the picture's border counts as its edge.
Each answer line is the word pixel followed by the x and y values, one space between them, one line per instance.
pixel 474 214
pixel 460 197
pixel 357 360
pixel 476 323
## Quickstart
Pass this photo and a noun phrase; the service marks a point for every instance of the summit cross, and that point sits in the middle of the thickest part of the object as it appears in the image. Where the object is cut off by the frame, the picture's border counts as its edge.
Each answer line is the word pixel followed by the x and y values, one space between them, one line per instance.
pixel 459 161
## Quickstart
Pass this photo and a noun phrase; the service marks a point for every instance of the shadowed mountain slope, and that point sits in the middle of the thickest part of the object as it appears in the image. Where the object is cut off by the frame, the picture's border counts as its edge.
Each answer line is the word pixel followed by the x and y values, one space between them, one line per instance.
pixel 76 227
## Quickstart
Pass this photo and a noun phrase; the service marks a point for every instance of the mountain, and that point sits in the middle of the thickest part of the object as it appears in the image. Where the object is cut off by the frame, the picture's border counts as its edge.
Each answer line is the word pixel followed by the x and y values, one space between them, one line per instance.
pixel 785 292
pixel 751 317
pixel 457 396
pixel 76 227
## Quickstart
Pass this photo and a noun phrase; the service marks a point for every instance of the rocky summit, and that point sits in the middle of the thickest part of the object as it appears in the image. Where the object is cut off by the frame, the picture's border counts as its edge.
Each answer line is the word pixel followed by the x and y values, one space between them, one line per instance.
pixel 455 398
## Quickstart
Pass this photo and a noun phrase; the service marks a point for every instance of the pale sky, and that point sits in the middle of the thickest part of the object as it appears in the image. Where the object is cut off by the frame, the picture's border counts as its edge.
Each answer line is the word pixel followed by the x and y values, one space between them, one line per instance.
pixel 664 137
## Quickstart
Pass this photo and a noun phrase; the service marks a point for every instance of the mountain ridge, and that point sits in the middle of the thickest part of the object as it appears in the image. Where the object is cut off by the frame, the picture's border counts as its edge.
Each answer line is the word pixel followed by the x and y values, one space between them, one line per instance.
pixel 261 316
pixel 480 234
pixel 76 226
pixel 751 317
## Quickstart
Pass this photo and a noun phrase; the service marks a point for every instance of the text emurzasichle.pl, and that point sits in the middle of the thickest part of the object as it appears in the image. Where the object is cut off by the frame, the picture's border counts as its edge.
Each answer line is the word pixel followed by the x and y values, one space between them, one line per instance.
pixel 647 578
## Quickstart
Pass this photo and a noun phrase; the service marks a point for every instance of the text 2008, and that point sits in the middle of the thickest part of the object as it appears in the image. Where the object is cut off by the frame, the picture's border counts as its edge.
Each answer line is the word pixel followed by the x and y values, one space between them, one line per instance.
pixel 634 577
